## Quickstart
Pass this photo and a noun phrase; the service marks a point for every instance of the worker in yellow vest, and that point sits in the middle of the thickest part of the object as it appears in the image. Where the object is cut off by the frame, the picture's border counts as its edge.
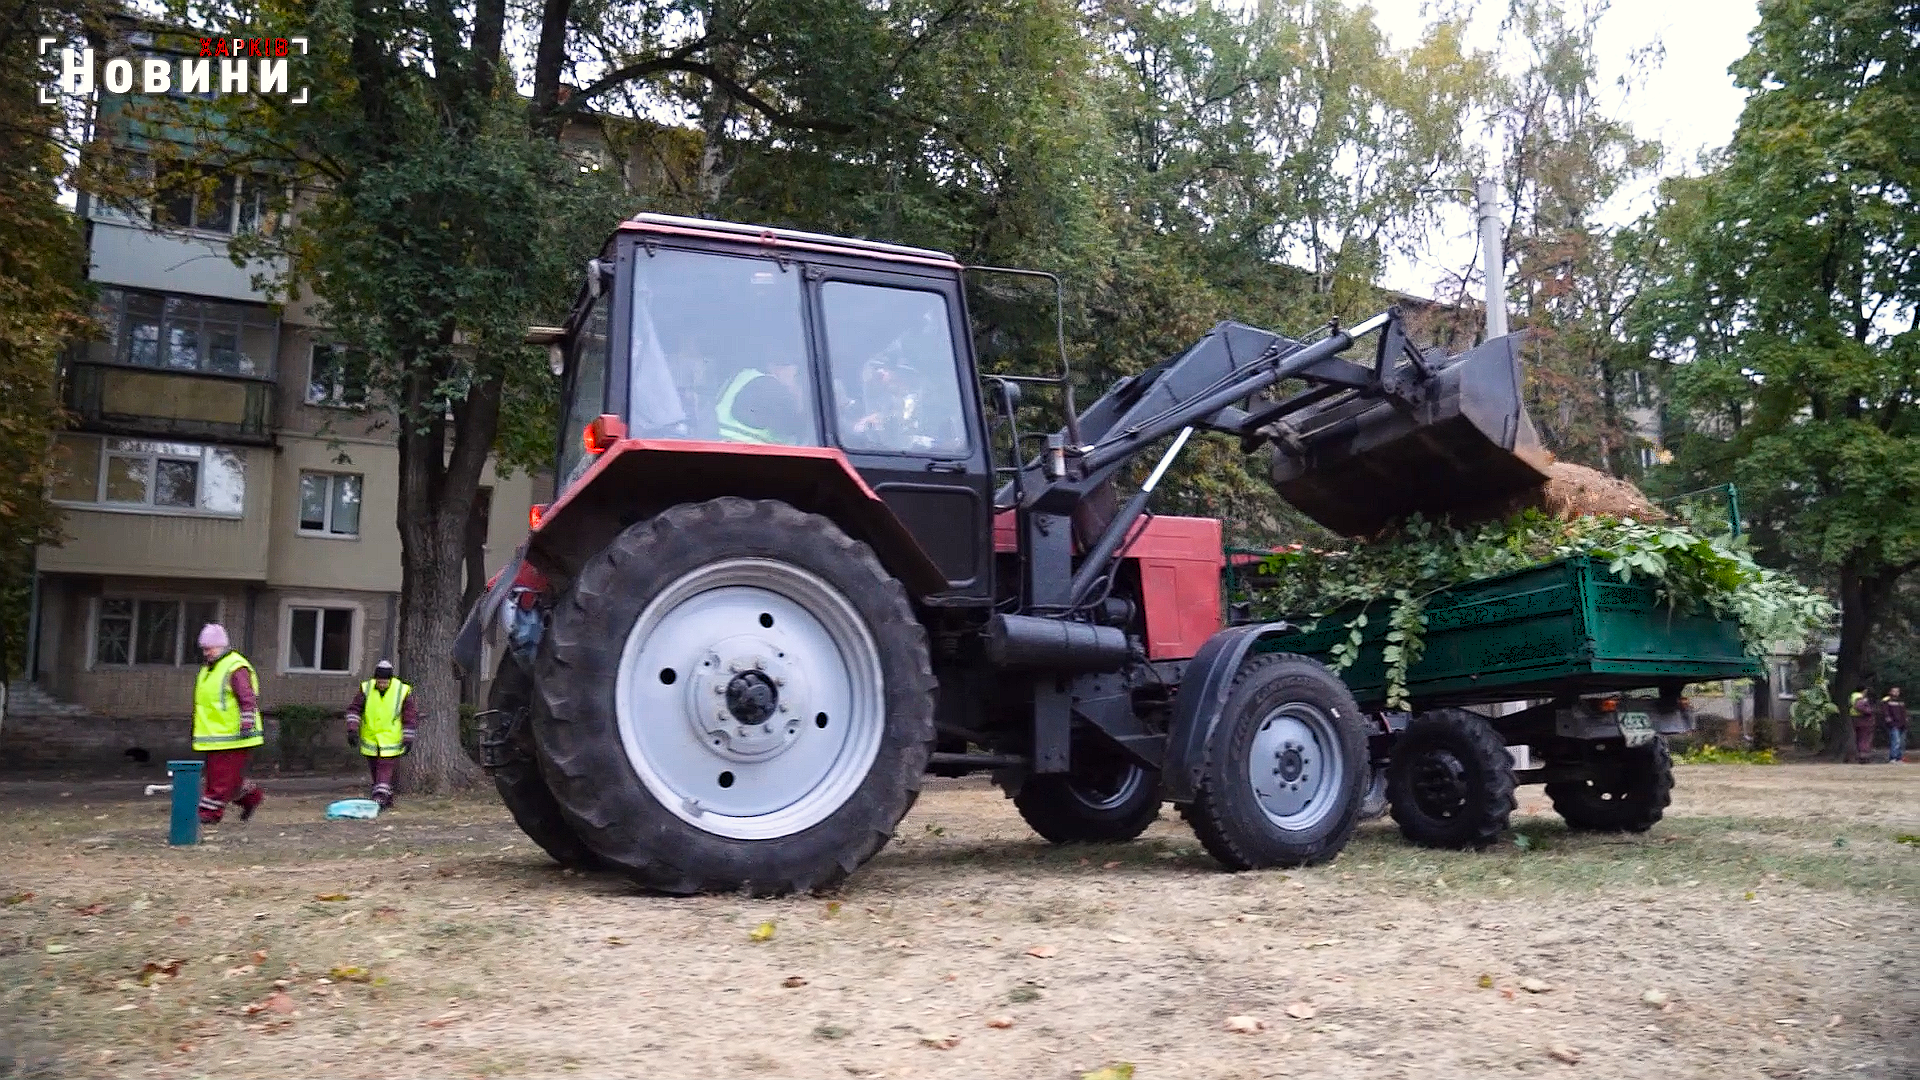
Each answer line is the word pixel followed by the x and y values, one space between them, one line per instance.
pixel 226 724
pixel 765 406
pixel 382 723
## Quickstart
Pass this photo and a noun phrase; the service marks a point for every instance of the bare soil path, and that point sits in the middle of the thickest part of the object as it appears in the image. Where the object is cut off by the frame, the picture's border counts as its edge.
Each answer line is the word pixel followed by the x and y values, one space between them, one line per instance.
pixel 1765 929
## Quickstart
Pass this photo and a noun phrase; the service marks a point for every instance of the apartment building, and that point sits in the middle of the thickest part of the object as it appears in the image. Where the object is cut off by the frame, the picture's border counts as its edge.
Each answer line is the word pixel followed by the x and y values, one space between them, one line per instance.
pixel 225 465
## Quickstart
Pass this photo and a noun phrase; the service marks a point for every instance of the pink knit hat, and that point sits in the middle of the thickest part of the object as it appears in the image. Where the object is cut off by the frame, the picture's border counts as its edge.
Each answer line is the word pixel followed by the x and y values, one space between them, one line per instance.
pixel 213 636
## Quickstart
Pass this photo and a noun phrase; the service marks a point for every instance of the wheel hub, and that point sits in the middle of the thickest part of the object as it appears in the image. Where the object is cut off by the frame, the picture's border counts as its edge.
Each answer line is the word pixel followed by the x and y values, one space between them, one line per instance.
pixel 1292 764
pixel 747 699
pixel 752 697
pixel 1439 784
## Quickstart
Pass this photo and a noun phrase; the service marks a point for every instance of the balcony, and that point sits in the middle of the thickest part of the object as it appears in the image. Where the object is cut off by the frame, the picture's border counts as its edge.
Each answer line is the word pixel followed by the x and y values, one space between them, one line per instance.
pixel 119 399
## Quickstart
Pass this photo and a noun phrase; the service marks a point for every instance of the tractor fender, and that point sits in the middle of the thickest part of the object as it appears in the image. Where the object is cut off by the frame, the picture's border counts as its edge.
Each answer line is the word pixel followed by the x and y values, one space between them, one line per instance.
pixel 1196 707
pixel 634 479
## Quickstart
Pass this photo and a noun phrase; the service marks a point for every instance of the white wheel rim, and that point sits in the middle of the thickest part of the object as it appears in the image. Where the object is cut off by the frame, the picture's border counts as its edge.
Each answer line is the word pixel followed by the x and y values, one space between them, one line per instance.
pixel 1295 766
pixel 775 707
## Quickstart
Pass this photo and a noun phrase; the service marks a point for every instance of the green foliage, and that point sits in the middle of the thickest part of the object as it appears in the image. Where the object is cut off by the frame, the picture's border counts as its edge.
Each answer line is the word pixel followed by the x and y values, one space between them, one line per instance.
pixel 1689 572
pixel 300 727
pixel 1783 296
pixel 1722 755
pixel 1813 703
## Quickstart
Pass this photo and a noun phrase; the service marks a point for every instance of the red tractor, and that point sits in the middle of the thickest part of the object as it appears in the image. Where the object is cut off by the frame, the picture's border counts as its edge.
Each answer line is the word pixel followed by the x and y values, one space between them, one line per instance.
pixel 785 577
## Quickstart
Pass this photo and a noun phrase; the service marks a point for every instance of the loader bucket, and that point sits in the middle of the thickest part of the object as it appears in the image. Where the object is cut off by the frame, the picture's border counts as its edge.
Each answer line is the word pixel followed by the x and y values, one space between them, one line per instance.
pixel 1357 464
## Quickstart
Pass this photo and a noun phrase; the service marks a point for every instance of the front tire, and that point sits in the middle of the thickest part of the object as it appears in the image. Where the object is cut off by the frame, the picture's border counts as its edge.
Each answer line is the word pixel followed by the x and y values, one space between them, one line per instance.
pixel 1632 798
pixel 1107 799
pixel 735 697
pixel 1450 781
pixel 1286 767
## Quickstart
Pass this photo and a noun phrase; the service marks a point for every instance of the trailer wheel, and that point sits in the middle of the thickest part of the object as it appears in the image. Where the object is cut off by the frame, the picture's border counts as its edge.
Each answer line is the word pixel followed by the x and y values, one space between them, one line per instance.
pixel 1635 795
pixel 1112 800
pixel 521 787
pixel 738 698
pixel 1450 781
pixel 1285 770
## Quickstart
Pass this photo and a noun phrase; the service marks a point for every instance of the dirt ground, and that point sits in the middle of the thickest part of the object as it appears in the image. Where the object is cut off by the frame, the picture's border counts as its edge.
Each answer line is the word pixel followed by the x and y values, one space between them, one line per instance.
pixel 1765 929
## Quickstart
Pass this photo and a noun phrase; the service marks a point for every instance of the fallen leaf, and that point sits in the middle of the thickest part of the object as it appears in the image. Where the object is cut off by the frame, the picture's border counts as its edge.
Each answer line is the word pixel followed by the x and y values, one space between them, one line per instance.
pixel 616 941
pixel 259 956
pixel 1655 998
pixel 1485 982
pixel 330 897
pixel 234 972
pixel 1000 1022
pixel 1563 1052
pixel 1523 841
pixel 350 974
pixel 1119 1070
pixel 1788 1023
pixel 1120 939
pixel 19 898
pixel 1114 865
pixel 1301 1010
pixel 163 969
pixel 1329 943
pixel 763 932
pixel 833 908
pixel 1834 1021
pixel 140 905
pixel 279 1002
pixel 125 1008
pixel 1535 986
pixel 831 1031
pixel 793 982
pixel 446 1018
pixel 1246 1025
pixel 182 920
pixel 56 947
pixel 940 1042
pixel 90 909
pixel 1507 992
pixel 1043 952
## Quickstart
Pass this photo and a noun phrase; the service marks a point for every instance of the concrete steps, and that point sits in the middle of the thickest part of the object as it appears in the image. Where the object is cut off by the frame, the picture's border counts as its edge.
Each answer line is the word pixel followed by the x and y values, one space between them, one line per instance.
pixel 28 699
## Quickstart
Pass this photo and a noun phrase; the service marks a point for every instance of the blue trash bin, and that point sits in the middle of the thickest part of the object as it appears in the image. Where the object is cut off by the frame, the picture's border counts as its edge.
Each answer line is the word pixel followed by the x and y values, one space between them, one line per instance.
pixel 184 828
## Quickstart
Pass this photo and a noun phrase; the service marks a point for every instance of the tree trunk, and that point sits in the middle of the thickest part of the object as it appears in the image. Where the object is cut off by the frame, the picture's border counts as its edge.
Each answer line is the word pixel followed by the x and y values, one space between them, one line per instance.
pixel 476 576
pixel 438 484
pixel 1861 597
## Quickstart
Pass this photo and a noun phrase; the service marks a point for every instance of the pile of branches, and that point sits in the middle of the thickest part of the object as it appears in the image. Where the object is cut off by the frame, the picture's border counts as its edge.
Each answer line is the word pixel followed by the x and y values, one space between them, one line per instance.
pixel 1394 575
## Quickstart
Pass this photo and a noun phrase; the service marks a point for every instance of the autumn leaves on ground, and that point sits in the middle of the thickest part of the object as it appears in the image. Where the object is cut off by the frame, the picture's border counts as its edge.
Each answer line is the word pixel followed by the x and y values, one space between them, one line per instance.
pixel 1762 930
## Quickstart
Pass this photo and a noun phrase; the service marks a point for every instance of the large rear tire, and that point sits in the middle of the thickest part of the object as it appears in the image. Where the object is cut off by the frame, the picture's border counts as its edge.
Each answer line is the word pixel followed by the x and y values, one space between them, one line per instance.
pixel 1450 781
pixel 1632 798
pixel 1286 767
pixel 519 782
pixel 1107 799
pixel 735 696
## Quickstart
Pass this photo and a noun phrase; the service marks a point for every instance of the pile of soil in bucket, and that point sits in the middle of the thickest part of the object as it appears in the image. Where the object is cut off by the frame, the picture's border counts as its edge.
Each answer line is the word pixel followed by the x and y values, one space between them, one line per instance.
pixel 1575 491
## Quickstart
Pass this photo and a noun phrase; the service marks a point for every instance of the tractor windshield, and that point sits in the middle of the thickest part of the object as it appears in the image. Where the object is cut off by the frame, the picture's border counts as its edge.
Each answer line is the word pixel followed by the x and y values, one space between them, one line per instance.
pixel 719 350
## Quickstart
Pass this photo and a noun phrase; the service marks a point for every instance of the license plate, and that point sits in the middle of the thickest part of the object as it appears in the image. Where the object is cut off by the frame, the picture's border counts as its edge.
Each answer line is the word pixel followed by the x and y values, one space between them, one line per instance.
pixel 1636 728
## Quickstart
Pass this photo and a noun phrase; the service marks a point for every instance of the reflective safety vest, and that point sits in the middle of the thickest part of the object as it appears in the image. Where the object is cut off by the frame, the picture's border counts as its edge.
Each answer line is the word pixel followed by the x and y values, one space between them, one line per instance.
pixel 216 712
pixel 380 727
pixel 731 428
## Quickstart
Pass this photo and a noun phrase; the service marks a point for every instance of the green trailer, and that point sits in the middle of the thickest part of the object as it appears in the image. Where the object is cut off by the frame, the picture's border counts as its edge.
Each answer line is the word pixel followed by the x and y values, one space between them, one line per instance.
pixel 1597 665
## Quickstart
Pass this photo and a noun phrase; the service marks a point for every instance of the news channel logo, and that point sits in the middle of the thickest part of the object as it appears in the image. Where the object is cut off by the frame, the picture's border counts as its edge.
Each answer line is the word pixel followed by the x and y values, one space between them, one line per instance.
pixel 224 66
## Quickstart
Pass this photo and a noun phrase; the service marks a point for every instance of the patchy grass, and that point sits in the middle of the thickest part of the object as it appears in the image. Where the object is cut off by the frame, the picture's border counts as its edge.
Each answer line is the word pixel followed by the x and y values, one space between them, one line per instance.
pixel 458 949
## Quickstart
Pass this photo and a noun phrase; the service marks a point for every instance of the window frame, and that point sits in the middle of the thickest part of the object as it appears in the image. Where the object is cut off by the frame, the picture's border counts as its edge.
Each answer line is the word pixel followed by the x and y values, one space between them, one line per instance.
pixel 107 453
pixel 185 636
pixel 824 362
pixel 111 310
pixel 337 399
pixel 248 189
pixel 326 531
pixel 356 629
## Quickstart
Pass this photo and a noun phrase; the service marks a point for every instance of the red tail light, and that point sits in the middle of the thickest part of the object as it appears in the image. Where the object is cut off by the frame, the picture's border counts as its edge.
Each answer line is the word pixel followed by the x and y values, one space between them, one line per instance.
pixel 534 514
pixel 605 430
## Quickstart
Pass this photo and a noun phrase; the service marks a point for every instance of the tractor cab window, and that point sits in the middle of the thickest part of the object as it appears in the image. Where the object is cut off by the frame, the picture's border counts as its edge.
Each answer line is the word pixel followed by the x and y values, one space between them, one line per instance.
pixel 719 350
pixel 586 389
pixel 896 382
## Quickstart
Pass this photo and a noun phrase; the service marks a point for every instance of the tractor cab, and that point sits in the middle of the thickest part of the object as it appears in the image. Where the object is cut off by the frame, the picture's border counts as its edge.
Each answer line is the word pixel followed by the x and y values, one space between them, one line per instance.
pixel 713 340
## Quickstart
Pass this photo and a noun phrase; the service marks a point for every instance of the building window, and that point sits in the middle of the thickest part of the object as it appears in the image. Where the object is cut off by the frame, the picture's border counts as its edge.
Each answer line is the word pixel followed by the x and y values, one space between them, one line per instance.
pixel 337 377
pixel 320 639
pixel 330 504
pixel 129 632
pixel 180 333
pixel 150 476
pixel 224 203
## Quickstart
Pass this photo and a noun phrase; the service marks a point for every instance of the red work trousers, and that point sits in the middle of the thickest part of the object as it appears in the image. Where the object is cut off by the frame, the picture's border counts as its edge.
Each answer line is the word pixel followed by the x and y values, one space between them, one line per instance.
pixel 225 780
pixel 380 772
